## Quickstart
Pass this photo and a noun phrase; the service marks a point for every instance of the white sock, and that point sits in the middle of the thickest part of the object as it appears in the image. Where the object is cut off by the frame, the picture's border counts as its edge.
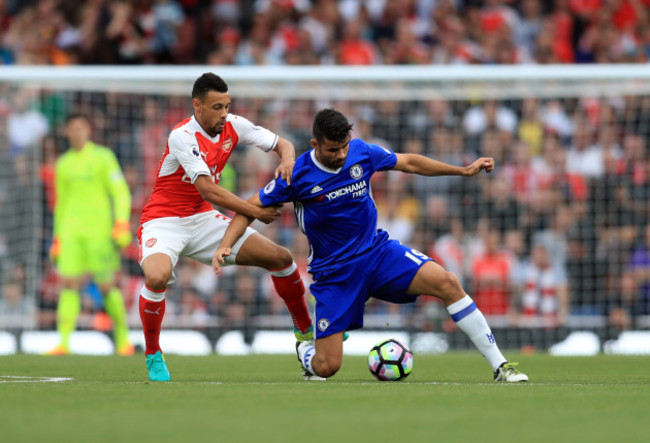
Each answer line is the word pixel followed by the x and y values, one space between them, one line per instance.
pixel 286 271
pixel 150 295
pixel 471 321
pixel 306 352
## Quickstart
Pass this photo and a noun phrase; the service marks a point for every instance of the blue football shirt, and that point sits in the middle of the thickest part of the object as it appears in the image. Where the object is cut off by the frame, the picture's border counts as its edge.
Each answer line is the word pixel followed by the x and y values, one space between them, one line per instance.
pixel 334 208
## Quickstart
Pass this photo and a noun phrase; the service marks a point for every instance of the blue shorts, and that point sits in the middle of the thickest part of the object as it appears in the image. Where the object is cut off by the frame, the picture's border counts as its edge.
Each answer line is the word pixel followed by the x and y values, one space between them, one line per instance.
pixel 384 272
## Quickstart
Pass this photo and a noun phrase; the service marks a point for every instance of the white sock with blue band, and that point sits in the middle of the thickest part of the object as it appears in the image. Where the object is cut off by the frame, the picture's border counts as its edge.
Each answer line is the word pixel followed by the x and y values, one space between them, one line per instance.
pixel 471 321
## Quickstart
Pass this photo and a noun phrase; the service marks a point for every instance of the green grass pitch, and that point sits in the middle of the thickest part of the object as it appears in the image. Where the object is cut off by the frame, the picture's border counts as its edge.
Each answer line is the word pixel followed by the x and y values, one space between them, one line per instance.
pixel 262 399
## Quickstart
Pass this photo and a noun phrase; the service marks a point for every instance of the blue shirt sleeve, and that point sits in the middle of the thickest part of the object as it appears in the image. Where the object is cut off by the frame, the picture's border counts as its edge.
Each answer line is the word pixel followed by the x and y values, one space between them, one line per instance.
pixel 276 192
pixel 382 158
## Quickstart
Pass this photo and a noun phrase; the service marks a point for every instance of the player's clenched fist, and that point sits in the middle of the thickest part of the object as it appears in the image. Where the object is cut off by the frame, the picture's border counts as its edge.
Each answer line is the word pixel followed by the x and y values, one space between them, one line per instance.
pixel 483 163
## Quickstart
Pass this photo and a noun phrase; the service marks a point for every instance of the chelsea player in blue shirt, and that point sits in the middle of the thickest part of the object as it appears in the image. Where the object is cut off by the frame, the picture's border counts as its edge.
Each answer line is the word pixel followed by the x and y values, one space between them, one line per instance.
pixel 350 259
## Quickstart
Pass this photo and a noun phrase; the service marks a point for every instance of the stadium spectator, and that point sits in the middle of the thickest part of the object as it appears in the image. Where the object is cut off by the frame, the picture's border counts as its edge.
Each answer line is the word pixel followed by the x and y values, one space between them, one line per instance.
pixel 397 212
pixel 455 46
pixel 501 205
pixel 519 174
pixel 17 308
pixel 491 279
pixel 251 49
pixel 545 296
pixel 489 116
pixel 165 16
pixel 406 48
pixel 607 194
pixel 639 269
pixel 354 49
pixel 149 136
pixel 26 125
pixel 388 120
pixel 514 245
pixel 364 126
pixel 529 26
pixel 430 116
pixel 583 156
pixel 530 128
pixel 554 237
pixel 635 194
pixel 193 311
pixel 449 248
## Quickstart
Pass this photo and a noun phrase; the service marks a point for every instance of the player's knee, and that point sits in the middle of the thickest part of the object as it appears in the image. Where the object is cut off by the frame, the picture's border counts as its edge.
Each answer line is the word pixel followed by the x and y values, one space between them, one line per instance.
pixel 282 258
pixel 327 367
pixel 156 280
pixel 106 287
pixel 449 286
pixel 71 283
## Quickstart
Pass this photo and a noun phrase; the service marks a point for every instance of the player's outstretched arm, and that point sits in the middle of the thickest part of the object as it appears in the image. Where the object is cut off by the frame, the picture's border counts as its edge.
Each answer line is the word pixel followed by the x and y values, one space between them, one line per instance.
pixel 120 194
pixel 223 198
pixel 287 153
pixel 235 230
pixel 421 165
pixel 60 190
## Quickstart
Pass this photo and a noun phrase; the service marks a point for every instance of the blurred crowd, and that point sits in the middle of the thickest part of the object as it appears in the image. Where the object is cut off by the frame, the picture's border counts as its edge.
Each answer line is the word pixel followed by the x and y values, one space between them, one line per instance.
pixel 559 231
pixel 334 32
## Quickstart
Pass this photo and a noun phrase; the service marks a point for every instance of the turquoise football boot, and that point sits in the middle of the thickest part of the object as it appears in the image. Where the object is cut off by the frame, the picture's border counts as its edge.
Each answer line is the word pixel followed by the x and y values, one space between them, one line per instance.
pixel 157 367
pixel 304 336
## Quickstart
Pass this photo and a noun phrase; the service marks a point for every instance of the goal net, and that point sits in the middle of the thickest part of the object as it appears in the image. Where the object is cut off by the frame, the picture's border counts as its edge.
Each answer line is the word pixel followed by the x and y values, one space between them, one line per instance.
pixel 555 240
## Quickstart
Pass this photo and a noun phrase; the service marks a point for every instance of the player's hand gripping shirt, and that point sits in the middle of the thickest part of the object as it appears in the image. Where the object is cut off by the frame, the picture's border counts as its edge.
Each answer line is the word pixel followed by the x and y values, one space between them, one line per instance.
pixel 91 193
pixel 191 152
pixel 334 208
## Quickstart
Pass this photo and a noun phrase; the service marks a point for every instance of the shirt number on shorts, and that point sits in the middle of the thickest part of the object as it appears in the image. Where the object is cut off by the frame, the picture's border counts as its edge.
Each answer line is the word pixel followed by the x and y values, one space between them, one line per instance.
pixel 416 256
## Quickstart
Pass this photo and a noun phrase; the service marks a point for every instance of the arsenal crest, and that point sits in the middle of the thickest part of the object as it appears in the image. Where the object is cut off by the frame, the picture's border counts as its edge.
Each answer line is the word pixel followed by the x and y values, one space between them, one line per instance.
pixel 227 145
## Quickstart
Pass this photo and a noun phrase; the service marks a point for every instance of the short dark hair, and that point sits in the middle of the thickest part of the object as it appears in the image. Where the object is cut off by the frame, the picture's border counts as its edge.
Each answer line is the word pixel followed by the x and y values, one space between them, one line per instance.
pixel 332 125
pixel 74 116
pixel 206 83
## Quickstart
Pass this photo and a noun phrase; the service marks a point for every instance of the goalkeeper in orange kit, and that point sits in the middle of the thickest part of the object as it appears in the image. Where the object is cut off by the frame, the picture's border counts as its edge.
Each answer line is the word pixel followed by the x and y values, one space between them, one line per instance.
pixel 91 225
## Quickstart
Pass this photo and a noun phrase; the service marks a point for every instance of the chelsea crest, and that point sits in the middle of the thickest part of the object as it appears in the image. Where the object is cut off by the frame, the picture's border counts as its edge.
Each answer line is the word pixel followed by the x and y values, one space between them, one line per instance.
pixel 356 171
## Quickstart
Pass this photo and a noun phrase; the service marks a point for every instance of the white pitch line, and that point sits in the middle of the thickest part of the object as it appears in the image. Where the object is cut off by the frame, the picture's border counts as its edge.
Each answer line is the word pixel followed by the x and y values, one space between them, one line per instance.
pixel 23 379
pixel 430 383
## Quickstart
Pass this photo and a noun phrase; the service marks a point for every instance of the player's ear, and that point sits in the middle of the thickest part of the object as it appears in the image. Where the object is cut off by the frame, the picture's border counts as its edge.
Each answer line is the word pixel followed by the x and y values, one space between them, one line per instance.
pixel 196 104
pixel 313 143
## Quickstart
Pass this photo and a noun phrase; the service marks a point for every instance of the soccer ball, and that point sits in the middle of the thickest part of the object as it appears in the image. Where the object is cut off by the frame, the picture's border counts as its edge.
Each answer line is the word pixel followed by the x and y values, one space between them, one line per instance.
pixel 390 360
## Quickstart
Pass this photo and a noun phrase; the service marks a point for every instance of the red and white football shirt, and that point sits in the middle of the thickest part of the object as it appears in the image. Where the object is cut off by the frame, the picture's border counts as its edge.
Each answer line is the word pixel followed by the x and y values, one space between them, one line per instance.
pixel 191 152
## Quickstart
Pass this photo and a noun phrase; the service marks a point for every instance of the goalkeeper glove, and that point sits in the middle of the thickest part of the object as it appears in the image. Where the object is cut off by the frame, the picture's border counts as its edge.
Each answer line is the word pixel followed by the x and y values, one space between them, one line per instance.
pixel 55 249
pixel 122 234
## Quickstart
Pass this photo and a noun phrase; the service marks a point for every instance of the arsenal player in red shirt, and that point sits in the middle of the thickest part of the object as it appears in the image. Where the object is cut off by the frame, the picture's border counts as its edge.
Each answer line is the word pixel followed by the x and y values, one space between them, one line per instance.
pixel 179 219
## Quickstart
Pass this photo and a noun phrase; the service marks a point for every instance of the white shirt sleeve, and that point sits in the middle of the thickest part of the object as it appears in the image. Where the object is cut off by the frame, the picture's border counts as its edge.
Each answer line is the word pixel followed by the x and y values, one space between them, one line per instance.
pixel 252 135
pixel 184 147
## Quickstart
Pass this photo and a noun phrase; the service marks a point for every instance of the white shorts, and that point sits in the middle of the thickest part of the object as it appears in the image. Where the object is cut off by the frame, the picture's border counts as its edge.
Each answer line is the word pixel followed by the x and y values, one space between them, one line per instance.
pixel 196 236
